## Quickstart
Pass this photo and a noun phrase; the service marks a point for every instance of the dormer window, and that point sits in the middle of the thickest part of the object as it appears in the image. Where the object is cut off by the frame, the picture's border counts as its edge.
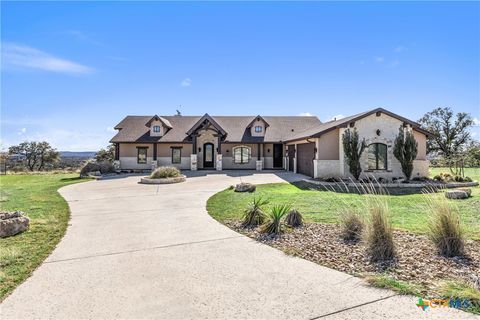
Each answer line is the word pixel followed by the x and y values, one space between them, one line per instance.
pixel 156 129
pixel 258 129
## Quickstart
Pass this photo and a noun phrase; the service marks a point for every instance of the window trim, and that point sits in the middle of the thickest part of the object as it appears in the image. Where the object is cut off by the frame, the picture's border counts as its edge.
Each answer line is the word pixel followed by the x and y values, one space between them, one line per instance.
pixel 377 158
pixel 180 158
pixel 242 160
pixel 138 155
pixel 159 129
pixel 258 129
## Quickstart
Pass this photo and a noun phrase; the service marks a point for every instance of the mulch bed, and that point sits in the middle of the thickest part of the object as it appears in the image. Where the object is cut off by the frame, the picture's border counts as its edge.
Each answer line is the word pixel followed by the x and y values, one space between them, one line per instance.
pixel 417 260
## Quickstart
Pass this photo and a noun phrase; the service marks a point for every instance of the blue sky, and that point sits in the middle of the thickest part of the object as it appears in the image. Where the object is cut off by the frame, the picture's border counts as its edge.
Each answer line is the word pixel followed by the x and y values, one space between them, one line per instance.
pixel 71 71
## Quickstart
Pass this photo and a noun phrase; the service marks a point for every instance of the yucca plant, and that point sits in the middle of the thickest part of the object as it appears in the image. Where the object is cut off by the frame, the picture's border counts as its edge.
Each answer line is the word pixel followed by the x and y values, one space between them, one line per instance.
pixel 380 231
pixel 352 225
pixel 253 214
pixel 444 227
pixel 294 219
pixel 273 225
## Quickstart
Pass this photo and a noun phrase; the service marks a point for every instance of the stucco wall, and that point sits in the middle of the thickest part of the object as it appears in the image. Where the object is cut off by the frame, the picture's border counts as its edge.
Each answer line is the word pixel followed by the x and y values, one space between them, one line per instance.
pixel 327 146
pixel 130 149
pixel 422 145
pixel 165 149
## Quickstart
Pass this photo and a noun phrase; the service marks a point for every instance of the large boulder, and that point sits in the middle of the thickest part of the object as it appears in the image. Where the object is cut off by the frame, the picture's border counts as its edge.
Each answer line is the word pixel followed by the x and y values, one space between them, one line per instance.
pixel 12 223
pixel 456 194
pixel 245 187
pixel 93 168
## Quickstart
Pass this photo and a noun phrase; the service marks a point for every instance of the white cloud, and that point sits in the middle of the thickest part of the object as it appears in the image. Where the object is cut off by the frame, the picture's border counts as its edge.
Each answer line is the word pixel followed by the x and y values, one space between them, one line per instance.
pixel 305 114
pixel 476 122
pixel 79 35
pixel 337 117
pixel 111 129
pixel 379 59
pixel 187 82
pixel 399 49
pixel 28 57
pixel 22 131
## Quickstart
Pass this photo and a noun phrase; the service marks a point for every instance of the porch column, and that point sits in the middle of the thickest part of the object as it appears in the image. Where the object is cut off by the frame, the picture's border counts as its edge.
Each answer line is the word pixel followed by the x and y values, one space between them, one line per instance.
pixel 219 153
pixel 154 157
pixel 116 162
pixel 259 162
pixel 193 156
pixel 295 159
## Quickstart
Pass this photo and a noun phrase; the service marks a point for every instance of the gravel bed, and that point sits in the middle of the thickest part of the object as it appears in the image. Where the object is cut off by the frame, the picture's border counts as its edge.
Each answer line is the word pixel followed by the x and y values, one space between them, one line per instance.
pixel 417 260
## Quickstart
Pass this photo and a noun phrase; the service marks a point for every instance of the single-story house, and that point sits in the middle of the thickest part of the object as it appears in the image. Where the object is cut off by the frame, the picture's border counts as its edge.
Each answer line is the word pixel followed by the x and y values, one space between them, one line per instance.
pixel 296 143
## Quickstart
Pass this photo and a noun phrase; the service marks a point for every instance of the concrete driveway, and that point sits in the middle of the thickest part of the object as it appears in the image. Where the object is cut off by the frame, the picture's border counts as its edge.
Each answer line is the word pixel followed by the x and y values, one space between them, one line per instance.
pixel 147 251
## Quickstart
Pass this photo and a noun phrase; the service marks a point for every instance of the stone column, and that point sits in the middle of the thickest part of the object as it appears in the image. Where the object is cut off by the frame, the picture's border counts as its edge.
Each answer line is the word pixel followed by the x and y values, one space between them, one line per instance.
pixel 259 162
pixel 219 158
pixel 193 162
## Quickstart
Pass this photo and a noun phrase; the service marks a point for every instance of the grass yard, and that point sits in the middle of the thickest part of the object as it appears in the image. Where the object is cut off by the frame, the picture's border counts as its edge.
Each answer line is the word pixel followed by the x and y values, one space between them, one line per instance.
pixel 37 196
pixel 408 212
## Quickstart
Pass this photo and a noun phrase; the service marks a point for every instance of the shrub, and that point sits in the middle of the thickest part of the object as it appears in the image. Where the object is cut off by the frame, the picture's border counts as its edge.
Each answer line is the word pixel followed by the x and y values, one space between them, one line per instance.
pixel 352 225
pixel 253 215
pixel 273 225
pixel 380 232
pixel 438 178
pixel 294 219
pixel 405 150
pixel 165 172
pixel 353 149
pixel 467 179
pixel 444 227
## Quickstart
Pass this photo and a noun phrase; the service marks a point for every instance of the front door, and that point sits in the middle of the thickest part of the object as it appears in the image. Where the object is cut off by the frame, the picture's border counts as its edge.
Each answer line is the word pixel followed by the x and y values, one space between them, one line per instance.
pixel 278 155
pixel 208 155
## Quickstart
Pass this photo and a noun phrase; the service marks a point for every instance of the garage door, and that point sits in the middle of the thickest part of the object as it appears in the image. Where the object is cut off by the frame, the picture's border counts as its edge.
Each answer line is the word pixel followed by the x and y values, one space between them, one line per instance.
pixel 305 156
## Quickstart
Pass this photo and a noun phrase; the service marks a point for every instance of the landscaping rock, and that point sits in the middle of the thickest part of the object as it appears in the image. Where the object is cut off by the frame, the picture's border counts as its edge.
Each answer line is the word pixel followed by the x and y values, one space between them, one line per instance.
pixel 245 187
pixel 12 223
pixel 467 190
pixel 456 194
pixel 96 169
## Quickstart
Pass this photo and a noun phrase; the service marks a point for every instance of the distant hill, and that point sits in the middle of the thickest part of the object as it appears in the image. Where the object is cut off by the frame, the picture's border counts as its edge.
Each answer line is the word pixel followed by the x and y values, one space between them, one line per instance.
pixel 77 154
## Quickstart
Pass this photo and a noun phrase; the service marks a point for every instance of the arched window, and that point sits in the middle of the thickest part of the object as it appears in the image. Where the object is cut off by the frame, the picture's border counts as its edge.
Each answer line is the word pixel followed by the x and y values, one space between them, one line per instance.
pixel 241 154
pixel 377 156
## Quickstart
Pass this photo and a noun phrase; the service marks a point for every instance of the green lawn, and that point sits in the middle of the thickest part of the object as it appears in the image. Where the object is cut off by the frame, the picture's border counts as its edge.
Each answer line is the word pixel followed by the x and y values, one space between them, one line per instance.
pixel 37 196
pixel 408 212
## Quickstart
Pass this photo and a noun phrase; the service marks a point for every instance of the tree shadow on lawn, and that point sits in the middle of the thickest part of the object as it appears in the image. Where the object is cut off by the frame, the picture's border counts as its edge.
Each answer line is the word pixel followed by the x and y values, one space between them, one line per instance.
pixel 344 189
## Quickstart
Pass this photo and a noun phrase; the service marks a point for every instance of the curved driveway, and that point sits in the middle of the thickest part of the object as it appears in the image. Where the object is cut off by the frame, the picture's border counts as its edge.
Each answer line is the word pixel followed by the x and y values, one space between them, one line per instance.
pixel 147 251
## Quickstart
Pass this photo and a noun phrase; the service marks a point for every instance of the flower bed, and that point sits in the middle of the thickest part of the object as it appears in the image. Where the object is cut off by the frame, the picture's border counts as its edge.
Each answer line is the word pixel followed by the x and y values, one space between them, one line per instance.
pixel 417 261
pixel 148 180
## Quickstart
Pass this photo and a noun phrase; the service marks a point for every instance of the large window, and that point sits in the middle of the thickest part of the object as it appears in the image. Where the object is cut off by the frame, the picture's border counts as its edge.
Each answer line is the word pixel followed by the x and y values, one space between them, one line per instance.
pixel 176 155
pixel 142 155
pixel 258 128
pixel 377 156
pixel 241 154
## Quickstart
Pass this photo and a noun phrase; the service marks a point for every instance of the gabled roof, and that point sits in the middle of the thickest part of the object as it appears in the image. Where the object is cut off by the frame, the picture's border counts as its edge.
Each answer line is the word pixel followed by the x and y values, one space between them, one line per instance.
pixel 259 117
pixel 134 129
pixel 203 121
pixel 344 122
pixel 165 122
